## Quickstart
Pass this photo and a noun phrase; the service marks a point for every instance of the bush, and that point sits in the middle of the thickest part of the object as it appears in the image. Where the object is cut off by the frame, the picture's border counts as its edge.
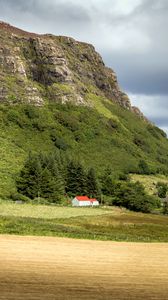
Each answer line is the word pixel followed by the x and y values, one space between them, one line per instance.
pixel 69 121
pixel 165 208
pixel 162 189
pixel 143 168
pixel 20 197
pixel 133 197
pixel 124 177
pixel 156 132
pixel 61 144
pixel 31 112
pixel 112 124
pixel 40 200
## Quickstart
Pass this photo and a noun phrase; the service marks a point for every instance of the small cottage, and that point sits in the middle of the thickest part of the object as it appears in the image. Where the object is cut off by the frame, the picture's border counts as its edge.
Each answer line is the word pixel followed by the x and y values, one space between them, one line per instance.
pixel 84 201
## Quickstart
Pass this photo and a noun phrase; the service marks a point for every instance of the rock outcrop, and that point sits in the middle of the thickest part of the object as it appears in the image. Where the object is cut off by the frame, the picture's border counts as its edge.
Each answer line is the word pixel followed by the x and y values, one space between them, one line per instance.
pixel 34 68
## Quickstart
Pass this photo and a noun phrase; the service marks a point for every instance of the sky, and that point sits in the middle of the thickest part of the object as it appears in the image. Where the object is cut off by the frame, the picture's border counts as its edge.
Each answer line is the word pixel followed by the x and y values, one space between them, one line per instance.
pixel 131 36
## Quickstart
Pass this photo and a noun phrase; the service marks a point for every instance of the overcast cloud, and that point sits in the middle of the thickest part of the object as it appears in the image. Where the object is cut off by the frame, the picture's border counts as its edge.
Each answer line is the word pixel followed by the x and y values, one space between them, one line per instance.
pixel 131 35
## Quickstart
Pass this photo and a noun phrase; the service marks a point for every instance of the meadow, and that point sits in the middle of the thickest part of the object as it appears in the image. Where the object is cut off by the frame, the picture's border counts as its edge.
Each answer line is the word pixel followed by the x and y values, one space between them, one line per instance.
pixel 108 223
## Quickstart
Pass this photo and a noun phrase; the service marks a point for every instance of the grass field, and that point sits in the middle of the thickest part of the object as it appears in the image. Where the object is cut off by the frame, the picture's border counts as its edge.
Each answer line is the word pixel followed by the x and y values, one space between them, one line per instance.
pixel 85 223
pixel 48 212
pixel 40 268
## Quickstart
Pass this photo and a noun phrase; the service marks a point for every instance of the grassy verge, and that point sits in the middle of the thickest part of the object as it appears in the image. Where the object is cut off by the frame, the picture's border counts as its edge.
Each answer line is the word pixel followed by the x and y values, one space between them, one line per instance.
pixel 84 223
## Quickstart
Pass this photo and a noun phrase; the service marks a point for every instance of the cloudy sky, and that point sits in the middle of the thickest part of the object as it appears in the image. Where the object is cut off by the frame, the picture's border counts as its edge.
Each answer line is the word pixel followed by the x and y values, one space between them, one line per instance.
pixel 131 35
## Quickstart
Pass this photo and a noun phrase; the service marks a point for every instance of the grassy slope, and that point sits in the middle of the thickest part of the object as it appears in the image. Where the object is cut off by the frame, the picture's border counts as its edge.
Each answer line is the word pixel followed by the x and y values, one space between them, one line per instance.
pixel 102 224
pixel 81 132
pixel 149 181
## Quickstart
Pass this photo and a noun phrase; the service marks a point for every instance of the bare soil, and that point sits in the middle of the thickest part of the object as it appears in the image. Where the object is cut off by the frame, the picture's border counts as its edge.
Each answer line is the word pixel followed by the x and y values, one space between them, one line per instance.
pixel 58 268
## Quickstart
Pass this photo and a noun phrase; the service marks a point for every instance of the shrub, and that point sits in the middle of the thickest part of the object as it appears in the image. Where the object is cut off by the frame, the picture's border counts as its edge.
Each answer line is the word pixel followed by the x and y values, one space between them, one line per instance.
pixel 112 124
pixel 165 208
pixel 134 197
pixel 156 132
pixel 20 197
pixel 162 189
pixel 31 112
pixel 69 121
pixel 61 144
pixel 143 168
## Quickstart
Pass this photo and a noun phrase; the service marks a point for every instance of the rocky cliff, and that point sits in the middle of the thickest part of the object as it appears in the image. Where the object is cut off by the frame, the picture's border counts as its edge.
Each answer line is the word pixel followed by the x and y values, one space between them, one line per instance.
pixel 38 68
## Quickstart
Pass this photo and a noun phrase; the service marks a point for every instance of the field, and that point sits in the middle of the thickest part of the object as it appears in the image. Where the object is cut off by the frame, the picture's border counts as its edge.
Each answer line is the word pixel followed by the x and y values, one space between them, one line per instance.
pixel 109 223
pixel 47 212
pixel 57 268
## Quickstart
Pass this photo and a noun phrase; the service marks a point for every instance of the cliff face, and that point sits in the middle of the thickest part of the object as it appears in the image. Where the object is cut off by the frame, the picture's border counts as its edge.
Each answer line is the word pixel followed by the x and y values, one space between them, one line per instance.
pixel 35 68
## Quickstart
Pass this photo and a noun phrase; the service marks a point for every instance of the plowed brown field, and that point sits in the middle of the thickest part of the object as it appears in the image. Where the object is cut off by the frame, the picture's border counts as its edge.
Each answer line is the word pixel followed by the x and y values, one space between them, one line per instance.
pixel 58 268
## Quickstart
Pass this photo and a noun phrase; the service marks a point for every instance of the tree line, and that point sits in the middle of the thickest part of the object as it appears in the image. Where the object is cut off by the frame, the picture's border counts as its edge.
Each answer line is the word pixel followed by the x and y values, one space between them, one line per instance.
pixel 52 178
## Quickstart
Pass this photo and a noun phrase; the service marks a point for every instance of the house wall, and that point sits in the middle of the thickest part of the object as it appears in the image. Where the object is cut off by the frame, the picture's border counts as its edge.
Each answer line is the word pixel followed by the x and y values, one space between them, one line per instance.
pixel 95 203
pixel 75 202
pixel 84 203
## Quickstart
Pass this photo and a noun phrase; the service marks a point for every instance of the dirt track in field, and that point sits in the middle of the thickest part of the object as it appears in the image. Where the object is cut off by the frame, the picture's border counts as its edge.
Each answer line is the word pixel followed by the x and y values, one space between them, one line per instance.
pixel 58 268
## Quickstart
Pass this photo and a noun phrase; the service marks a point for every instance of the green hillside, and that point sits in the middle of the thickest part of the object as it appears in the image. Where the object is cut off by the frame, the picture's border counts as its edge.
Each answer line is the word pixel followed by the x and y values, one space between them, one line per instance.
pixel 56 94
pixel 97 140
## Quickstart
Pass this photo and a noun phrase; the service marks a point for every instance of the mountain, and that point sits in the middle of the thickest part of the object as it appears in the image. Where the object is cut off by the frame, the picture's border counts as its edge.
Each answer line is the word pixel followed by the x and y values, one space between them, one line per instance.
pixel 57 93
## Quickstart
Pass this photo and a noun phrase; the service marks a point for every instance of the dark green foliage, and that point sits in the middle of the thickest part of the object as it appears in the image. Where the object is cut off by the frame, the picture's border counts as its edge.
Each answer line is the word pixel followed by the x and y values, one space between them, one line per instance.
pixel 107 182
pixel 40 177
pixel 19 197
pixel 112 124
pixel 165 207
pixel 133 197
pixel 17 118
pixel 92 184
pixel 162 189
pixel 79 132
pixel 124 177
pixel 60 143
pixel 76 179
pixel 31 111
pixel 143 168
pixel 69 121
pixel 139 141
pixel 122 192
pixel 156 132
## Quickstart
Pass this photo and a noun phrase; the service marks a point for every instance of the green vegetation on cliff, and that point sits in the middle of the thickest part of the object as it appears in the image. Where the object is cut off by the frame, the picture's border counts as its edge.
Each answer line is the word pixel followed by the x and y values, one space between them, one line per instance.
pixel 80 133
pixel 56 94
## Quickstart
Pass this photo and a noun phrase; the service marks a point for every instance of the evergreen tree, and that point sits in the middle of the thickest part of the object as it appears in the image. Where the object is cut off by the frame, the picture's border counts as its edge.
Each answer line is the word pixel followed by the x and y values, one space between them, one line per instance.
pixel 52 188
pixel 76 179
pixel 81 180
pixel 71 182
pixel 30 180
pixel 92 185
pixel 107 182
pixel 40 177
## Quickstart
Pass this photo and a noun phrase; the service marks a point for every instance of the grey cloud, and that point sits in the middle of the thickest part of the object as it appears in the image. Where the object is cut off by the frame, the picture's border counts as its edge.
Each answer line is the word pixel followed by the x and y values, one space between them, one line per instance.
pixel 50 10
pixel 161 122
pixel 154 107
pixel 141 74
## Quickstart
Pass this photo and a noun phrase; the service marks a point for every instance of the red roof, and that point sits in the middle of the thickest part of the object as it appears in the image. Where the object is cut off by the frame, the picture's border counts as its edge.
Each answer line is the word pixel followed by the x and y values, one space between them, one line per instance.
pixel 84 198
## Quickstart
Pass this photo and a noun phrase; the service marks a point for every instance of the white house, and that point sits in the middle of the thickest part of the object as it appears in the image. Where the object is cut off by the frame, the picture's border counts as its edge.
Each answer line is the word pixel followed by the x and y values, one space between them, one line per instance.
pixel 84 201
